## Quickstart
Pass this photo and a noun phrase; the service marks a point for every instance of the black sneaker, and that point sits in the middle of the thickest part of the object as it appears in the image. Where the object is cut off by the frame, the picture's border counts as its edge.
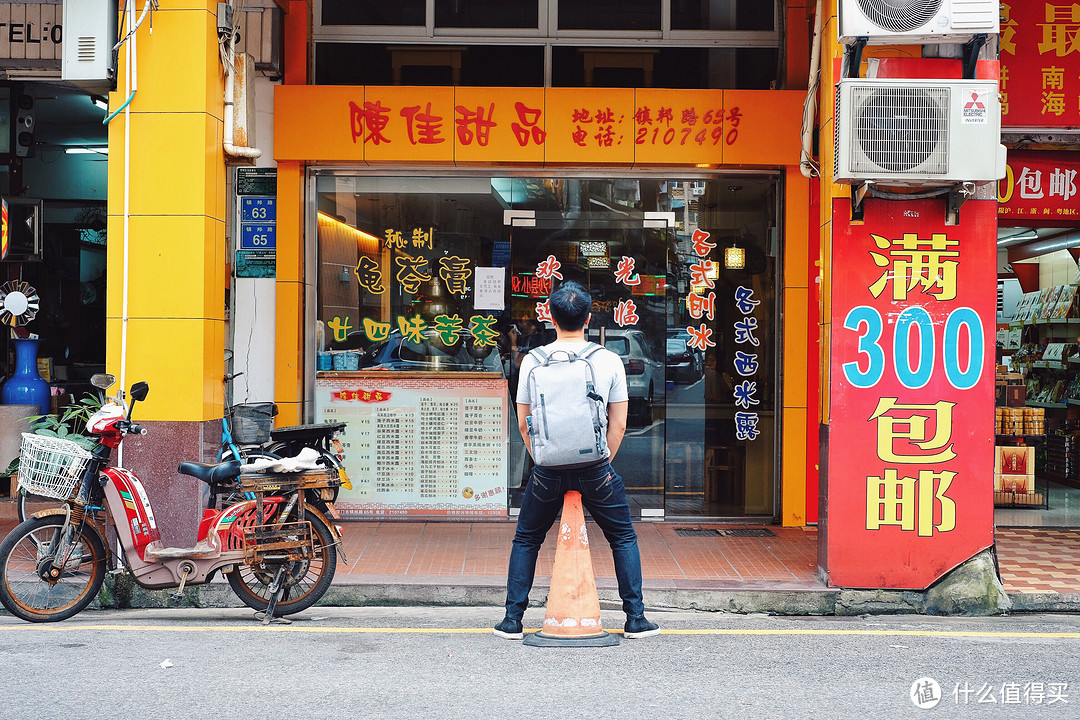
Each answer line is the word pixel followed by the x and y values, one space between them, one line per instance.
pixel 509 629
pixel 640 627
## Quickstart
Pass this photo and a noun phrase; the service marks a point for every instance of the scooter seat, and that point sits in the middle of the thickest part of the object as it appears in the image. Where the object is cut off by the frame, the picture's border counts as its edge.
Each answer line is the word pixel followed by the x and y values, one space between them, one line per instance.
pixel 211 473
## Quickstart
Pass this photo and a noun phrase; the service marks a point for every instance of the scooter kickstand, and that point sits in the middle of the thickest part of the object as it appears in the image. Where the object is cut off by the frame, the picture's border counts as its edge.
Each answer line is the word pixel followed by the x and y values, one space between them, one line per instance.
pixel 276 588
pixel 187 569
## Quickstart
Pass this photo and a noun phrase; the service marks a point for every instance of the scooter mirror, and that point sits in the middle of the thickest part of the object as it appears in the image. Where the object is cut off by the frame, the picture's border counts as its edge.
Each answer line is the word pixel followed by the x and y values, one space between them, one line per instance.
pixel 102 380
pixel 139 391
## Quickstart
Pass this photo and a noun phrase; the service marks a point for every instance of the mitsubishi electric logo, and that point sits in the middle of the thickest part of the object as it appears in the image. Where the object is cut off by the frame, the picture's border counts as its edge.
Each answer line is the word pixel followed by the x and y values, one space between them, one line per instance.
pixel 975 101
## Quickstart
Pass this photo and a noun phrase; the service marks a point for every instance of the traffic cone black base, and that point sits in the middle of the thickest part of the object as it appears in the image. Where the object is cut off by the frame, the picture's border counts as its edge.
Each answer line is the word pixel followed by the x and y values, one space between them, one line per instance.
pixel 539 639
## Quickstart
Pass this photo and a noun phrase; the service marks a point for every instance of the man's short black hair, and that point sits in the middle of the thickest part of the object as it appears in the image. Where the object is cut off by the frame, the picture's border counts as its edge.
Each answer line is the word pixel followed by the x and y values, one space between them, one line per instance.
pixel 570 306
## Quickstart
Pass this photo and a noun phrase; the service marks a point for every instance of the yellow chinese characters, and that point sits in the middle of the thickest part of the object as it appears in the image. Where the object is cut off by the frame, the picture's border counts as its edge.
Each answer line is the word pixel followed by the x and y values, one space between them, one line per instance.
pixel 908 502
pixel 912 429
pixel 912 261
pixel 904 501
pixel 1061 31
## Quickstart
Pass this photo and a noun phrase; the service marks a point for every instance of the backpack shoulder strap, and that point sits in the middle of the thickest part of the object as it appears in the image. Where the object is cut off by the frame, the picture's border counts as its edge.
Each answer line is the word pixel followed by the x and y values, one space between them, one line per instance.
pixel 540 355
pixel 589 350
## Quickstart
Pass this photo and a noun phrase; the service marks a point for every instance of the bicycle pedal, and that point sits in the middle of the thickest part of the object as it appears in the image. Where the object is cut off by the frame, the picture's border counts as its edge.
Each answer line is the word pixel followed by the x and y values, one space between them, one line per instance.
pixel 176 596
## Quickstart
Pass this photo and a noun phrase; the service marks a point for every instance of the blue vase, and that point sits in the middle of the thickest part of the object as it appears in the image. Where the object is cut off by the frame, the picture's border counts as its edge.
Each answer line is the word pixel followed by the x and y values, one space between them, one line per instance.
pixel 26 387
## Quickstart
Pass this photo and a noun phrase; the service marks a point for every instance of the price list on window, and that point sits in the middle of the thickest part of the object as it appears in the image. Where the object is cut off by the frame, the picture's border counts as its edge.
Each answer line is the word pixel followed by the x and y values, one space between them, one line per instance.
pixel 395 456
pixel 419 446
pixel 483 449
pixel 439 464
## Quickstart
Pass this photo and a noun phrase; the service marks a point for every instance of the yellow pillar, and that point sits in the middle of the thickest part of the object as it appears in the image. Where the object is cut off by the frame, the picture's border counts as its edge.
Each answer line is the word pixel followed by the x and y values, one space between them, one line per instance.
pixel 289 345
pixel 796 318
pixel 173 190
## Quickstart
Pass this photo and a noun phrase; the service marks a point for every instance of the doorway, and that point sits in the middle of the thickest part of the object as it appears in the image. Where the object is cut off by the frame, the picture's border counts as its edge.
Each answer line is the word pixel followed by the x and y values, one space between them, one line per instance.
pixel 683 279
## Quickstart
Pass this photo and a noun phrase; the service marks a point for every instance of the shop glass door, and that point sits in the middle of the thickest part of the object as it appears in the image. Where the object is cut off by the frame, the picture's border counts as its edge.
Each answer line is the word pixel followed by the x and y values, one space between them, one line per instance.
pixel 721 350
pixel 610 236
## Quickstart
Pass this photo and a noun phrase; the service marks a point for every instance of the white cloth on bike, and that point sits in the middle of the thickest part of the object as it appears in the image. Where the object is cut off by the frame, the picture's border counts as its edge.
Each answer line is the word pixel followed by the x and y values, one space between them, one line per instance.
pixel 307 459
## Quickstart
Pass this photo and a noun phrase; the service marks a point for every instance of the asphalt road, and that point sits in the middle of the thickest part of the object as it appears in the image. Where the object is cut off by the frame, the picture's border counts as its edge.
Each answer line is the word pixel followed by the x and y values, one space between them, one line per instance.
pixel 445 663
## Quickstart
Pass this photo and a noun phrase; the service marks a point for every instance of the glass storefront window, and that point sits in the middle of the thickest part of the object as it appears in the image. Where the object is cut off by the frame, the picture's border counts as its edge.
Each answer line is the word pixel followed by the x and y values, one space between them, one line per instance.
pixel 608 15
pixel 486 13
pixel 722 15
pixel 448 274
pixel 371 12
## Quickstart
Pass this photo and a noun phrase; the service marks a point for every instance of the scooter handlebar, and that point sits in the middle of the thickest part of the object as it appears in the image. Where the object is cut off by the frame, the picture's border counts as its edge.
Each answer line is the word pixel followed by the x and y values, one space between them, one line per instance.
pixel 131 428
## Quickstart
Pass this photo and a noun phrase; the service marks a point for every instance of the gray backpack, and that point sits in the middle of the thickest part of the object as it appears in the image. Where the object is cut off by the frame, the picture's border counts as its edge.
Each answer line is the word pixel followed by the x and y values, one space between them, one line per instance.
pixel 568 421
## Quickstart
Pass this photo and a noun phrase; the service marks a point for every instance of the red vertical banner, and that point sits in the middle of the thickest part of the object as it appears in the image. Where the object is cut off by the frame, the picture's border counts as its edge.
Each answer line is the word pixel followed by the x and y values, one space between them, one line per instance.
pixel 910 479
pixel 1040 63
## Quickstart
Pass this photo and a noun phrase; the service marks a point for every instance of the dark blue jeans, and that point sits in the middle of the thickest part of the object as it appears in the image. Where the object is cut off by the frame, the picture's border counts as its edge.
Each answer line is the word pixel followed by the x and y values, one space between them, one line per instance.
pixel 604 496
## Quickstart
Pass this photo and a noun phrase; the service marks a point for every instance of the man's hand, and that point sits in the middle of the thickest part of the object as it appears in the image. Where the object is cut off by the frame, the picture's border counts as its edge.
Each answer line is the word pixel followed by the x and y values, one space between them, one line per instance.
pixel 616 428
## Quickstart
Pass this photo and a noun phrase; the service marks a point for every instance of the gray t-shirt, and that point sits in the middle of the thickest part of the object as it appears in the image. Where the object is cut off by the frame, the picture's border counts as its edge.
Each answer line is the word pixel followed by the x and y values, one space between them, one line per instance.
pixel 607 366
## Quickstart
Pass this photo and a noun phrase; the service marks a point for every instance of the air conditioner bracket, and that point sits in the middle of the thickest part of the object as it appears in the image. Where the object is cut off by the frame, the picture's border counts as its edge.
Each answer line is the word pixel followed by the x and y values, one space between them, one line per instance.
pixel 858 194
pixel 971 55
pixel 853 53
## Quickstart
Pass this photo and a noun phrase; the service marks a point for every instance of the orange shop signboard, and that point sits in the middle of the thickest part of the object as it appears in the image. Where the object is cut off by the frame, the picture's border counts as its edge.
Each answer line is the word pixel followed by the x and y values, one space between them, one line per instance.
pixel 1040 64
pixel 535 126
pixel 910 473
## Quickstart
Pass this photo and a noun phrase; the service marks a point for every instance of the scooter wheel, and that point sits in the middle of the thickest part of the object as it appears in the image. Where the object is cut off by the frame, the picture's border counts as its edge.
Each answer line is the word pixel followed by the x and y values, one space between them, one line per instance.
pixel 306 581
pixel 29 591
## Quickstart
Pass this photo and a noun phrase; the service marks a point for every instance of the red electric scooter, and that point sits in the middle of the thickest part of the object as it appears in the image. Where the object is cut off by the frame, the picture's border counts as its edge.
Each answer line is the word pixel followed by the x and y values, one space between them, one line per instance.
pixel 278 551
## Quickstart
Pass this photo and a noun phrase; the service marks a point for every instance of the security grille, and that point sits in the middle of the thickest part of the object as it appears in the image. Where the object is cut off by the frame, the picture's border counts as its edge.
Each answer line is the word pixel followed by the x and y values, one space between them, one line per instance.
pixel 900 128
pixel 900 15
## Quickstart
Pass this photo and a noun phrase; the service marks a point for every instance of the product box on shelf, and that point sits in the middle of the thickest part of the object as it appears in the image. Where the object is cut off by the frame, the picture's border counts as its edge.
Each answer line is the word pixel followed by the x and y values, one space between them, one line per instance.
pixel 1009 395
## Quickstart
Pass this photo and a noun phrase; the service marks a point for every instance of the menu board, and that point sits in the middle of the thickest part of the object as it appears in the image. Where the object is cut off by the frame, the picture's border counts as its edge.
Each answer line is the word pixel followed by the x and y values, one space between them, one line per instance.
pixel 420 446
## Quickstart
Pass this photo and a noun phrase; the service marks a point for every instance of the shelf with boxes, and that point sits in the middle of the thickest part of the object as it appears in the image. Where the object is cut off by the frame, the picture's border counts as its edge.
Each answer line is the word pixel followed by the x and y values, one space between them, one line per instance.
pixel 1018 480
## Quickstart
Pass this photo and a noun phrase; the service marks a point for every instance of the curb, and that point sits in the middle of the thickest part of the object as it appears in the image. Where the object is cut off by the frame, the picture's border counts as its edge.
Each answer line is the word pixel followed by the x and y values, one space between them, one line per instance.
pixel 792 602
pixel 800 602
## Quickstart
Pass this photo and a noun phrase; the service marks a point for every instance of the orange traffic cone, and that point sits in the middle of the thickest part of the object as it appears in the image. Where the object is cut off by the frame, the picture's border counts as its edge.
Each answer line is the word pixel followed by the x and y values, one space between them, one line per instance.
pixel 573 607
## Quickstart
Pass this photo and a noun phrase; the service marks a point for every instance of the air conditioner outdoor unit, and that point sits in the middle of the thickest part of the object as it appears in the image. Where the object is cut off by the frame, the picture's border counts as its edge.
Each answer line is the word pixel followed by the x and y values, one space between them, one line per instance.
pixel 889 22
pixel 89 36
pixel 918 132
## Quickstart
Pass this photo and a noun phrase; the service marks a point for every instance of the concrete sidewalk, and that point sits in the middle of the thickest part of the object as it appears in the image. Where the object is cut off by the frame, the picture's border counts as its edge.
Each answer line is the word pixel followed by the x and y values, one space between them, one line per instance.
pixel 685 565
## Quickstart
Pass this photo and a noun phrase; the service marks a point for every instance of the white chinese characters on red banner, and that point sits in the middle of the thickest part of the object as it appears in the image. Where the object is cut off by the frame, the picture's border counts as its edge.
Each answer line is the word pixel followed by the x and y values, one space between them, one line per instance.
pixel 1039 188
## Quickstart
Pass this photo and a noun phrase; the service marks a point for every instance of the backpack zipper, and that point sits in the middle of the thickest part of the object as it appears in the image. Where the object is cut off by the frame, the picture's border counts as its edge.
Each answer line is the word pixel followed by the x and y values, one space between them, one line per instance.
pixel 543 415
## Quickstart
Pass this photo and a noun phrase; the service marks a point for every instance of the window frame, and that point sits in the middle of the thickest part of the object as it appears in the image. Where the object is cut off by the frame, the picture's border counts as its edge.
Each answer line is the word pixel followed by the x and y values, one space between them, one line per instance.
pixel 547 27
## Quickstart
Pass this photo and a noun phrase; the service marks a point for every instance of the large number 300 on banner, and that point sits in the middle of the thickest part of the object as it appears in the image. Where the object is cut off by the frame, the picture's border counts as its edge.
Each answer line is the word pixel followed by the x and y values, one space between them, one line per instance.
pixel 910 484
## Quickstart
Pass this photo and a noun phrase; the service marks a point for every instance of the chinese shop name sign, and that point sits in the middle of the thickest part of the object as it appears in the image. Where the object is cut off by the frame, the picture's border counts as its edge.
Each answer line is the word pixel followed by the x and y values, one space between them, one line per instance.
pixel 910 471
pixel 1040 64
pixel 535 126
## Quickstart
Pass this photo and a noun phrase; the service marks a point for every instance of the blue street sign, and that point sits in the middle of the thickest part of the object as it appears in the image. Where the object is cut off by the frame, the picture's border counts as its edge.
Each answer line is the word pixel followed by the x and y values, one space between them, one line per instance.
pixel 258 209
pixel 258 236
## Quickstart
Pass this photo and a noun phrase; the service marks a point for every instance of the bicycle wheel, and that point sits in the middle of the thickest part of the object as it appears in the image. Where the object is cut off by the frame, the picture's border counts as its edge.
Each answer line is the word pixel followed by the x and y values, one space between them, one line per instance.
pixel 28 504
pixel 305 581
pixel 23 560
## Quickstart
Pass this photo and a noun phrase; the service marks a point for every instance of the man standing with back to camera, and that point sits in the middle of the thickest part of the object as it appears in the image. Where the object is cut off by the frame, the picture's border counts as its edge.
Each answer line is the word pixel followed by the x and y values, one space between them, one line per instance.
pixel 601 488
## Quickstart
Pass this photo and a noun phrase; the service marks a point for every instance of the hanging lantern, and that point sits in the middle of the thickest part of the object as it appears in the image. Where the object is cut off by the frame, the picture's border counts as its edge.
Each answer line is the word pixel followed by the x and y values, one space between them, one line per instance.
pixel 734 258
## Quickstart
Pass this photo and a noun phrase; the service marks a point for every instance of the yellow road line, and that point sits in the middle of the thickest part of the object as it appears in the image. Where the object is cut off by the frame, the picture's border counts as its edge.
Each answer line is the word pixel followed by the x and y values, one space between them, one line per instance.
pixel 484 631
